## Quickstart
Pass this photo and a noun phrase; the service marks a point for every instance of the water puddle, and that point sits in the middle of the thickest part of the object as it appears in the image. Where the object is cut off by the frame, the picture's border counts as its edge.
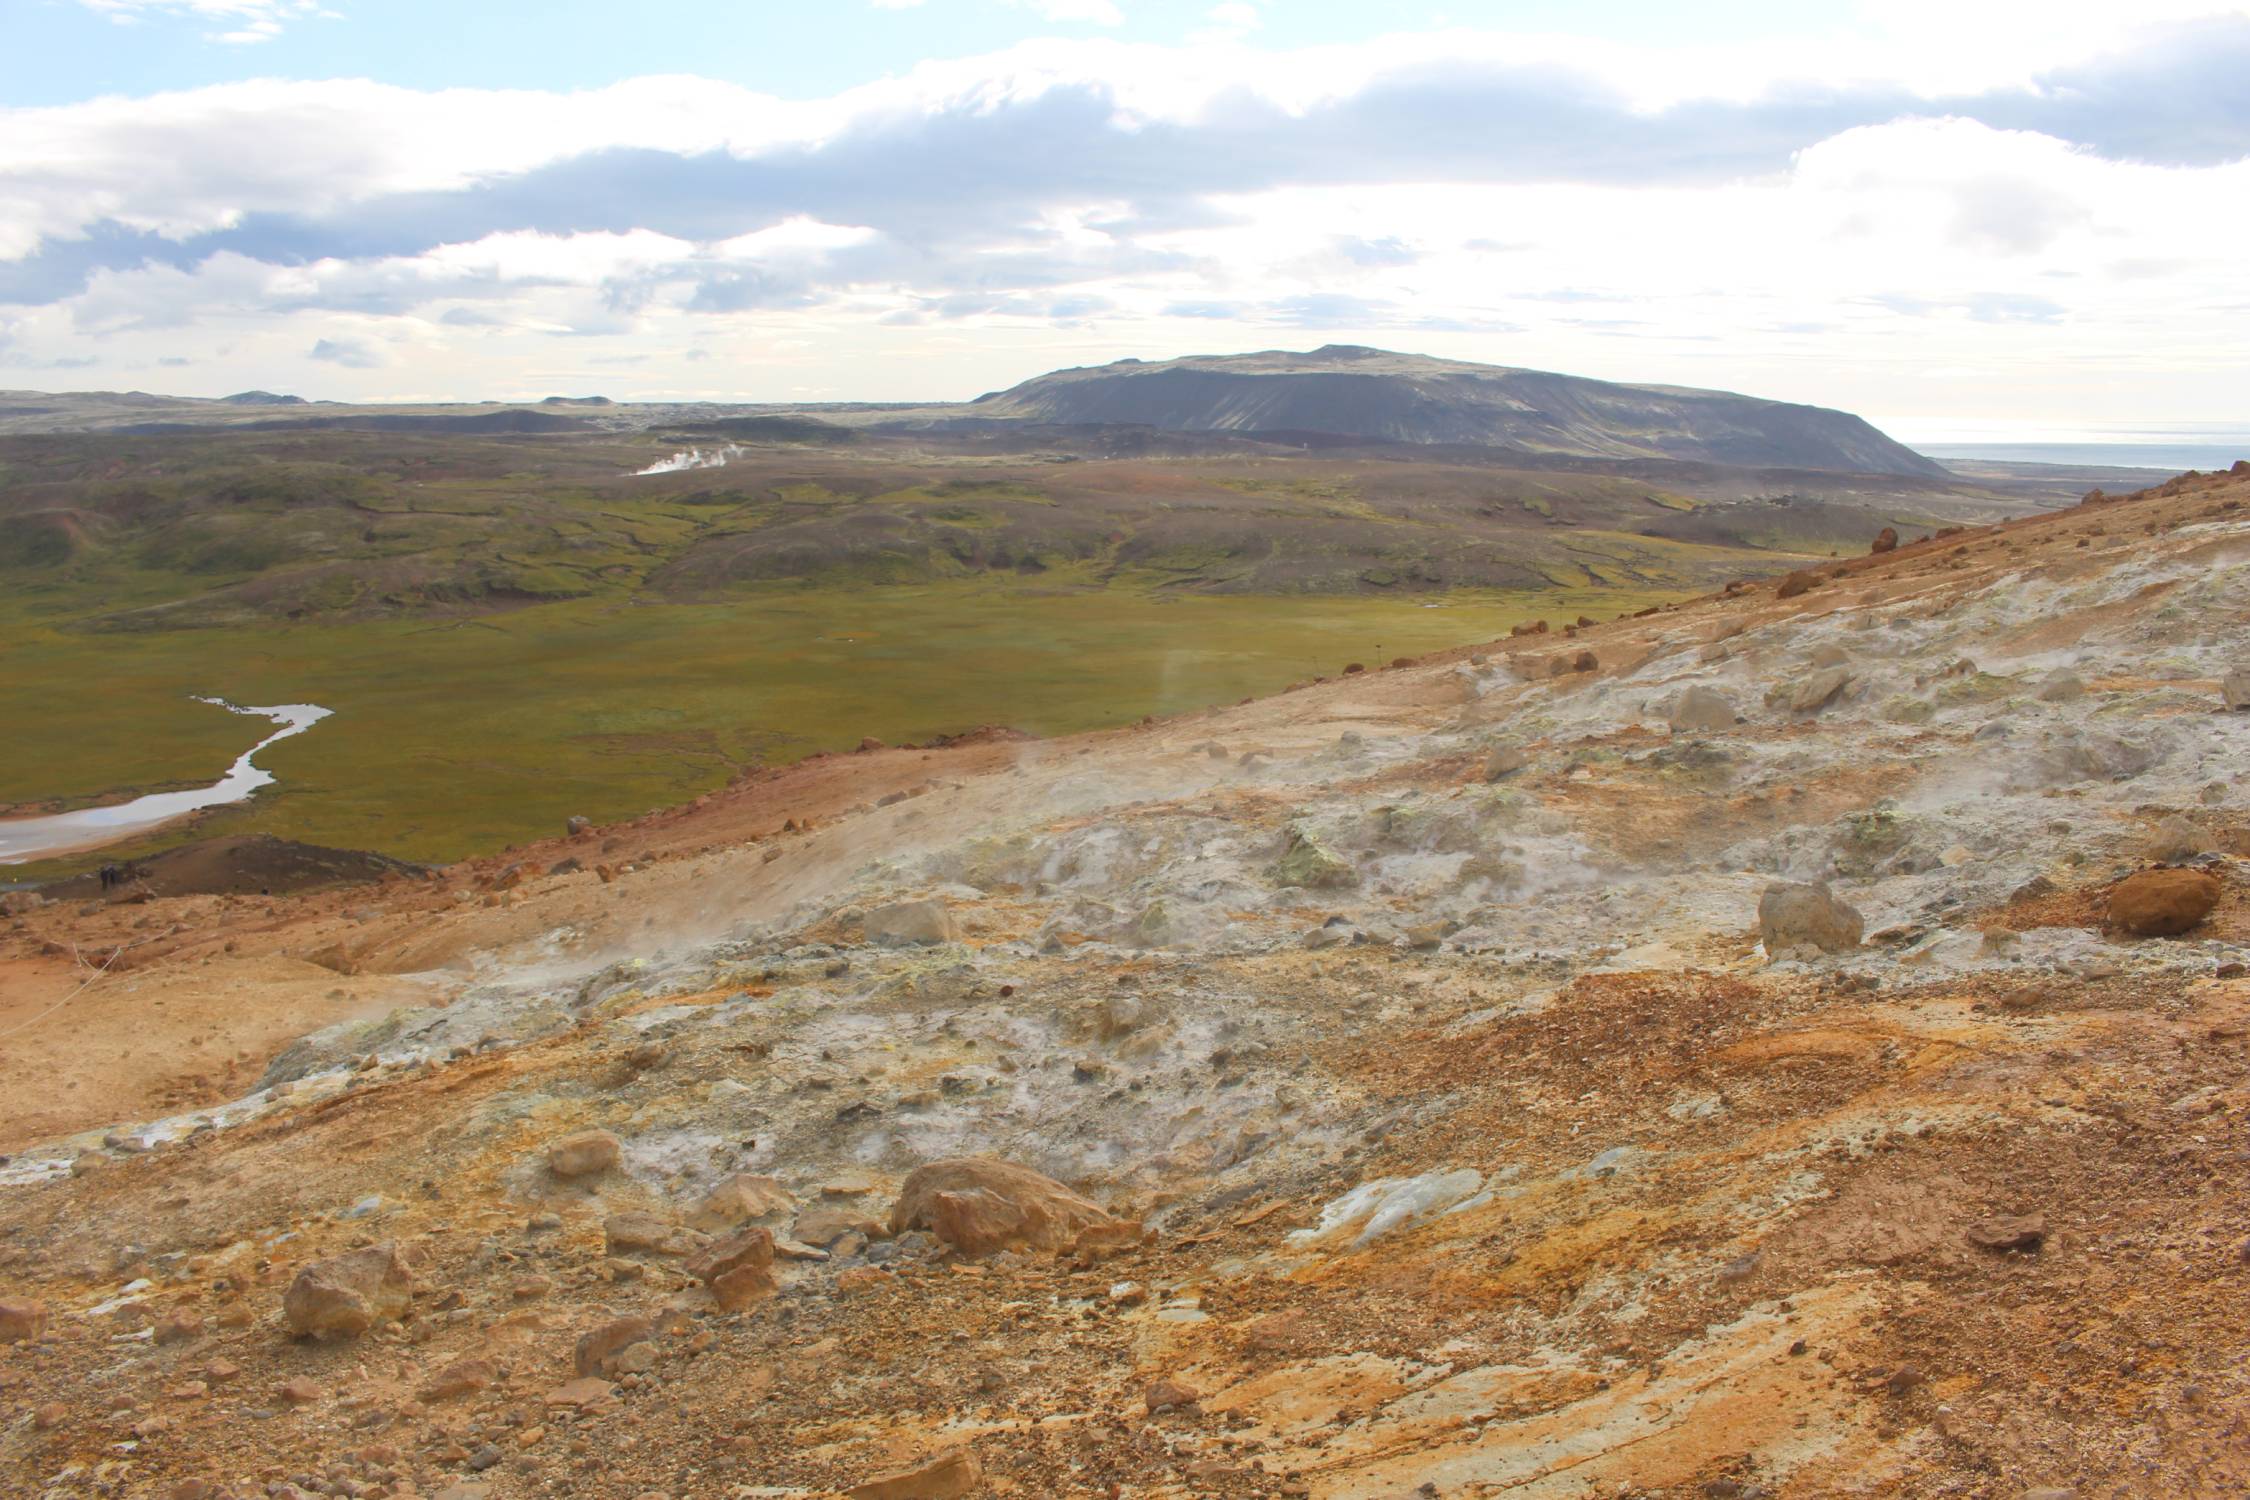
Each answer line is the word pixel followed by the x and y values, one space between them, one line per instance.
pixel 24 839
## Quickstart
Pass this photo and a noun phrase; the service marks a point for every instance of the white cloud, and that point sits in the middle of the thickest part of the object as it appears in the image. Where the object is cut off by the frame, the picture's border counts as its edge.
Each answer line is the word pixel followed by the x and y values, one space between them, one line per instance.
pixel 1530 200
pixel 248 21
pixel 1090 12
pixel 352 354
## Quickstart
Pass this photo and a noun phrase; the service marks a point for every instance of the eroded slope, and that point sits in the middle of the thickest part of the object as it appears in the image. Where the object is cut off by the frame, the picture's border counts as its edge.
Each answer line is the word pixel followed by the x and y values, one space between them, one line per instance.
pixel 1419 1020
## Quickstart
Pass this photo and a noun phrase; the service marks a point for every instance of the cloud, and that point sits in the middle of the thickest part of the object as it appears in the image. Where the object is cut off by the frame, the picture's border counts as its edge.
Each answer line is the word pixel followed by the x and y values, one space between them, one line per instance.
pixel 1092 12
pixel 1980 307
pixel 352 354
pixel 1461 186
pixel 247 21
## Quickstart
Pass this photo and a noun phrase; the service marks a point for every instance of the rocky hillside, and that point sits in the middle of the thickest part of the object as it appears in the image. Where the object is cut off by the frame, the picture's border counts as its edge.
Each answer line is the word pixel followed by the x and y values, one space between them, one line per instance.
pixel 1343 390
pixel 1787 1044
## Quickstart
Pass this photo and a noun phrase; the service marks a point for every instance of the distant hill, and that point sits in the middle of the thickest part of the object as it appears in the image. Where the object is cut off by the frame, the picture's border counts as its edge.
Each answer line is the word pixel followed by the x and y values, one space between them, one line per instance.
pixel 1351 391
pixel 261 398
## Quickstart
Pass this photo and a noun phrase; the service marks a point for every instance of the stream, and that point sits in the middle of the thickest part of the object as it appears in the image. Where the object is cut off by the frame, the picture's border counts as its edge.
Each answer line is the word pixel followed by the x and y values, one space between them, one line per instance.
pixel 23 839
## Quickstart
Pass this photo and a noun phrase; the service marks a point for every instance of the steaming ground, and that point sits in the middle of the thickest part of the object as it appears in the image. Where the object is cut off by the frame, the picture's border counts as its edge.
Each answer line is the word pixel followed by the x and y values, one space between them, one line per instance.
pixel 1419 1019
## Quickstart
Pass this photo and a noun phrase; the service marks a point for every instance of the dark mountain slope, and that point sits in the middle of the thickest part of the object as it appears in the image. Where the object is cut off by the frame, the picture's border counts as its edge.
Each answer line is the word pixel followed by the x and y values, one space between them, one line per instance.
pixel 1371 393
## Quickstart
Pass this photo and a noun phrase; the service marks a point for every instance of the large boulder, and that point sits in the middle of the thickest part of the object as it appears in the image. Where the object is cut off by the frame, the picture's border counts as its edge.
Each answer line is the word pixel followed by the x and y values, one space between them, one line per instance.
pixel 1793 916
pixel 1701 710
pixel 2163 903
pixel 2234 688
pixel 911 922
pixel 981 1206
pixel 346 1295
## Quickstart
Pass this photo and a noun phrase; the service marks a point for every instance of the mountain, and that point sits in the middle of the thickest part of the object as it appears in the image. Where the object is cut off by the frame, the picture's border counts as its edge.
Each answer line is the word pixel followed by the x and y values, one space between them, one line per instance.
pixel 260 398
pixel 1409 398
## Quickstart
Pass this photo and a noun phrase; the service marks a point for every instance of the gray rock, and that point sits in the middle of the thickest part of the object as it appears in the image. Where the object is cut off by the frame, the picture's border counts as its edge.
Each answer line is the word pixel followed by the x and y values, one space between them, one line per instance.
pixel 1793 916
pixel 2234 688
pixel 585 1154
pixel 2176 840
pixel 1701 710
pixel 911 922
pixel 345 1296
pixel 1814 691
pixel 2061 687
pixel 1503 761
pixel 1311 864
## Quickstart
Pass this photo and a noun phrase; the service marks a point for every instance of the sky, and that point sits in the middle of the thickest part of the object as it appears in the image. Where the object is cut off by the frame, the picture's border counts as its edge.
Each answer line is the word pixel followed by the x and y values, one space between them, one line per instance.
pixel 2003 220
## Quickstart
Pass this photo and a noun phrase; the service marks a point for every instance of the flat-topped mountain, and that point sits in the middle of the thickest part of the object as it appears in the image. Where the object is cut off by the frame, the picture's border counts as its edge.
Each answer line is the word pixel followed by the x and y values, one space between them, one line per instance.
pixel 1409 398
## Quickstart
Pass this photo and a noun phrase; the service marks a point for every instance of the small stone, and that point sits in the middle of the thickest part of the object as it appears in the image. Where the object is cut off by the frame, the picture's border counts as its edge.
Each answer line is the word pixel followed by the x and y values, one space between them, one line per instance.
pixel 598 1349
pixel 461 1378
pixel 921 923
pixel 583 1392
pixel 736 1289
pixel 979 1205
pixel 2020 1232
pixel 484 1458
pixel 946 1477
pixel 1793 915
pixel 637 1232
pixel 1308 863
pixel 745 1247
pixel 2163 903
pixel 1168 1393
pixel 823 1225
pixel 298 1390
pixel 1812 692
pixel 585 1154
pixel 222 1371
pixel 2234 689
pixel 22 1321
pixel 1503 761
pixel 1701 710
pixel 2176 841
pixel 1903 1380
pixel 741 1199
pixel 178 1326
pixel 49 1416
pixel 346 1295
